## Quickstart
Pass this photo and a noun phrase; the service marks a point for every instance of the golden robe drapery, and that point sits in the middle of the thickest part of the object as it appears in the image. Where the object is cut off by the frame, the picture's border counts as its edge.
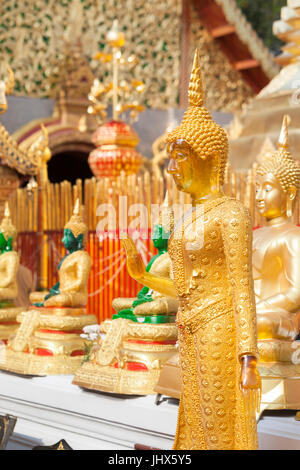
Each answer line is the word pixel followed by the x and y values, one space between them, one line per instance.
pixel 216 324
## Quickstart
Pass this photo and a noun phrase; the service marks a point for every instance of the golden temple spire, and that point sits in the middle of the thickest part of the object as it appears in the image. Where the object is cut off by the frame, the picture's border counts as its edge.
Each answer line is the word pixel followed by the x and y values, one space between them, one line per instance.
pixel 196 91
pixel 283 141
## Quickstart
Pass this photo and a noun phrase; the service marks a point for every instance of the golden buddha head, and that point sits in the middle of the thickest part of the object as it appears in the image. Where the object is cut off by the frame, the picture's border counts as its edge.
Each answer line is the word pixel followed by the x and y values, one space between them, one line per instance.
pixel 75 231
pixel 278 180
pixel 198 148
pixel 8 231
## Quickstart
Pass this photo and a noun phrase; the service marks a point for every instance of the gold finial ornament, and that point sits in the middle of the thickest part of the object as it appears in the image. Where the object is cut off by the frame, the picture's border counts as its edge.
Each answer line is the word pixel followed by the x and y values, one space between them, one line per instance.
pixel 196 92
pixel 76 223
pixel 198 128
pixel 115 38
pixel 283 141
pixel 281 163
pixel 7 227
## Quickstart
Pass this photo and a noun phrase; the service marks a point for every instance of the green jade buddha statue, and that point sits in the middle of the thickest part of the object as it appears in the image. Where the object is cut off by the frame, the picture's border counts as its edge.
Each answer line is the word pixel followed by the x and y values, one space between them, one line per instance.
pixel 150 306
pixel 73 269
pixel 71 244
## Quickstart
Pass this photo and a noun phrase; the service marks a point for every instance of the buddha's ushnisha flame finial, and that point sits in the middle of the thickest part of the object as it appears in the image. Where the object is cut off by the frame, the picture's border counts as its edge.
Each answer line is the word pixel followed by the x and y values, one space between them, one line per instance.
pixel 197 127
pixel 283 141
pixel 196 91
pixel 76 207
pixel 76 223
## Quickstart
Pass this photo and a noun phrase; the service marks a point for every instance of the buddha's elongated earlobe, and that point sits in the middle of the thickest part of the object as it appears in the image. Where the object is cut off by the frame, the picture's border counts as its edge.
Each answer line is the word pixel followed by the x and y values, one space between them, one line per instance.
pixel 289 201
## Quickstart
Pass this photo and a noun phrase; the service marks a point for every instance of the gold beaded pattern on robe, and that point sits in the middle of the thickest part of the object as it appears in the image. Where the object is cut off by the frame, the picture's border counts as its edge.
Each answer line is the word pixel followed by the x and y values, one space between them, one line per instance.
pixel 217 325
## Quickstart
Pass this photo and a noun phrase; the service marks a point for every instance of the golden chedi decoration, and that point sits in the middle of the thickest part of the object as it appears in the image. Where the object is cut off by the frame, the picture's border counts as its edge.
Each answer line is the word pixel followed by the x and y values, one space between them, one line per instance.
pixel 213 283
pixel 276 254
pixel 9 264
pixel 48 339
pixel 142 335
pixel 115 140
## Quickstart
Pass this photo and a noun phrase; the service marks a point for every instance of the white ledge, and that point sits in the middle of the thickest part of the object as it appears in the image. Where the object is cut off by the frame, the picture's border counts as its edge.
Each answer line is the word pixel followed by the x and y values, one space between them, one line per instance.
pixel 52 408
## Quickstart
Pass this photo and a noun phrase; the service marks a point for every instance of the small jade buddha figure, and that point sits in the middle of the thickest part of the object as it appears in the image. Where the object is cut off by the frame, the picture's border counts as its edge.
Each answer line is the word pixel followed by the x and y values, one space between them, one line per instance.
pixel 73 269
pixel 210 250
pixel 9 264
pixel 48 338
pixel 276 253
pixel 151 306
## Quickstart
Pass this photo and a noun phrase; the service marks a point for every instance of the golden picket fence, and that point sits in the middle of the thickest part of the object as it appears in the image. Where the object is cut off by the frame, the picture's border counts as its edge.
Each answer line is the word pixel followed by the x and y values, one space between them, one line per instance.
pixel 40 226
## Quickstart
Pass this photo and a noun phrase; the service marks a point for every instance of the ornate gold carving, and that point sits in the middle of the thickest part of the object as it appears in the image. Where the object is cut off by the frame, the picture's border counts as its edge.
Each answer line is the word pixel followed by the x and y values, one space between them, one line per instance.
pixel 31 364
pixel 116 380
pixel 32 39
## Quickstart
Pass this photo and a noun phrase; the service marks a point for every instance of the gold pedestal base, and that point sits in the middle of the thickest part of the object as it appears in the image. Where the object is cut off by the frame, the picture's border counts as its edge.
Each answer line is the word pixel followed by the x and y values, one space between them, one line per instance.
pixel 46 344
pixel 280 386
pixel 112 380
pixel 8 322
pixel 30 364
pixel 280 383
pixel 130 357
pixel 10 313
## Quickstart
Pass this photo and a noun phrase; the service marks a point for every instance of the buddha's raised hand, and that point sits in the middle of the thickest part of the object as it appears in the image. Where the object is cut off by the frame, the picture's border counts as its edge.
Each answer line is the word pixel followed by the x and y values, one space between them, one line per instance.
pixel 135 265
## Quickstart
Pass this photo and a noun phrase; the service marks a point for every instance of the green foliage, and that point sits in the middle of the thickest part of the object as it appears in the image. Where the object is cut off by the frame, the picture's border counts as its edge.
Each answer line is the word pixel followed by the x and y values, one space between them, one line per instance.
pixel 261 14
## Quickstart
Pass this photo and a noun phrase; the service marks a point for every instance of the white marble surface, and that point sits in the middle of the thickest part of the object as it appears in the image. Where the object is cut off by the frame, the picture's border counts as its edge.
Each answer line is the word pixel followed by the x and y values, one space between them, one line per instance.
pixel 51 408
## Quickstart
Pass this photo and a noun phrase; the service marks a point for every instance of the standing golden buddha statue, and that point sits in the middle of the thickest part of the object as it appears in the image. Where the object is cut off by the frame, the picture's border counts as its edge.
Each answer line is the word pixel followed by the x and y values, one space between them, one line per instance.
pixel 48 338
pixel 213 282
pixel 276 272
pixel 9 264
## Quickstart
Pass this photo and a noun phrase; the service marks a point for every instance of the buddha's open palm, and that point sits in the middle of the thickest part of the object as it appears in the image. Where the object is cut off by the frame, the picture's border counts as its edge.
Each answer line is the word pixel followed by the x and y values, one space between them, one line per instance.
pixel 135 265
